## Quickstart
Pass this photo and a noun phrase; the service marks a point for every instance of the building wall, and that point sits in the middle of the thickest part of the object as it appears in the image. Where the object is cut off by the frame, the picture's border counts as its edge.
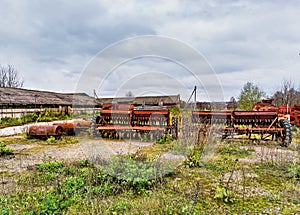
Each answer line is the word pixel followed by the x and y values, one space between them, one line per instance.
pixel 19 112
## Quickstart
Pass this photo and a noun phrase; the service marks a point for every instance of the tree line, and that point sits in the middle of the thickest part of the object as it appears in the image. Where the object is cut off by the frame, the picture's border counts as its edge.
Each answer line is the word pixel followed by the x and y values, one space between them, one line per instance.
pixel 251 94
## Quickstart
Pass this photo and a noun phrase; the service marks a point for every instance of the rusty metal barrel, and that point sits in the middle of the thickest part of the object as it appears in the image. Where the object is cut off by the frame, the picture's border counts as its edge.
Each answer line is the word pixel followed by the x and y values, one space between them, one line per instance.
pixel 44 131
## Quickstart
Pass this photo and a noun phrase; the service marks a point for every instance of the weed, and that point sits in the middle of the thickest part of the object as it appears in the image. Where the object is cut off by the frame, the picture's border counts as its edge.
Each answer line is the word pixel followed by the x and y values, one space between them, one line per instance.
pixel 85 163
pixel 164 139
pixel 120 207
pixel 234 150
pixel 4 150
pixel 48 166
pixel 294 170
pixel 224 195
pixel 51 139
pixel 194 158
pixel 140 176
pixel 67 140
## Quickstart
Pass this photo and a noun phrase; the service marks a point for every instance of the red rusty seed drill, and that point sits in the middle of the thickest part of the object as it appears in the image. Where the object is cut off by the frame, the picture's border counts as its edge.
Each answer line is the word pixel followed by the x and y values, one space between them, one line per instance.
pixel 123 121
pixel 265 120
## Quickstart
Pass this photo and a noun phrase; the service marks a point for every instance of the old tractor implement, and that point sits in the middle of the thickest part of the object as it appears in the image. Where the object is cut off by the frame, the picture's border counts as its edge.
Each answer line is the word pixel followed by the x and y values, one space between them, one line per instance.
pixel 264 121
pixel 124 121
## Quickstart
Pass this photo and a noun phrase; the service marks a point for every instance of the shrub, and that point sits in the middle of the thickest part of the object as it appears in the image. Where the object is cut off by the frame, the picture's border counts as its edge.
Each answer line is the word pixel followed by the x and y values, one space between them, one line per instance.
pixel 43 116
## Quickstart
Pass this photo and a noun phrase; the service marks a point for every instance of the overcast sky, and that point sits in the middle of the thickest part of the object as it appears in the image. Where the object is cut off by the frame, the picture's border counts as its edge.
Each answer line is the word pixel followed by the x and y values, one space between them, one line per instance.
pixel 52 43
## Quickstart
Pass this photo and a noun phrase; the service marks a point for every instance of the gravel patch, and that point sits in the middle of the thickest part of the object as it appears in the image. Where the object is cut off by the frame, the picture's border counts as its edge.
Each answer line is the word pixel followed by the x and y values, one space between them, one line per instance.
pixel 270 154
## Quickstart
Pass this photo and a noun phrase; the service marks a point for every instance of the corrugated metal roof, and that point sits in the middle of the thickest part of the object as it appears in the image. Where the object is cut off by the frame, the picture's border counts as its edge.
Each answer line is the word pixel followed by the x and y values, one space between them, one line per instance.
pixel 17 96
pixel 147 100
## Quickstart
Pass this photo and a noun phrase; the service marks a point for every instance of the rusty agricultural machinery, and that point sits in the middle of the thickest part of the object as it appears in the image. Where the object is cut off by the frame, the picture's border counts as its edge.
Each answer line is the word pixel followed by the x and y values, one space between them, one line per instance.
pixel 265 121
pixel 123 121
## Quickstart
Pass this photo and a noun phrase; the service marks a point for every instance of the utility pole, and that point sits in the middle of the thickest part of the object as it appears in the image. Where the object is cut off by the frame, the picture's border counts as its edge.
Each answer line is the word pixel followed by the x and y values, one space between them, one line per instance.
pixel 195 97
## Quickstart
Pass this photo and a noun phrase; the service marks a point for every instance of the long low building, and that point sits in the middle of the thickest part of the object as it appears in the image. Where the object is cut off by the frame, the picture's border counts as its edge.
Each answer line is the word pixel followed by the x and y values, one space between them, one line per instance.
pixel 15 102
pixel 166 101
pixel 18 97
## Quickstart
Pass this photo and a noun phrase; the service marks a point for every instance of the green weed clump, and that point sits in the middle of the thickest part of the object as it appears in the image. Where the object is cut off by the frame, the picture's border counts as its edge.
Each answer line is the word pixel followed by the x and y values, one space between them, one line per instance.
pixel 234 150
pixel 51 139
pixel 164 139
pixel 294 170
pixel 4 150
pixel 135 174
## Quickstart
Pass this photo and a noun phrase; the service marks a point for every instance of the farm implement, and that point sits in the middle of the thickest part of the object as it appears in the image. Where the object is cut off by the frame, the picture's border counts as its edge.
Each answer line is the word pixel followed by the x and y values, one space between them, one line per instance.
pixel 264 121
pixel 123 121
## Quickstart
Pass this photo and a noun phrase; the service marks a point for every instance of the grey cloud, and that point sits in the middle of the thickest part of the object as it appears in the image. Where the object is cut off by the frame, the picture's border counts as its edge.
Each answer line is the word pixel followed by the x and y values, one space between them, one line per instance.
pixel 240 39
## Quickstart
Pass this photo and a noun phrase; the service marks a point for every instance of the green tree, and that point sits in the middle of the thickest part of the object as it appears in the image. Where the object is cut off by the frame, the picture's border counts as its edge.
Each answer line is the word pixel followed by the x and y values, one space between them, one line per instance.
pixel 250 95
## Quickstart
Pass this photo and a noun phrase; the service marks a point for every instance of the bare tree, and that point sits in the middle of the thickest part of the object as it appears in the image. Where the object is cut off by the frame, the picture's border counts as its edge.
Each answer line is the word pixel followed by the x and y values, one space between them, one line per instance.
pixel 287 95
pixel 129 94
pixel 9 77
pixel 232 104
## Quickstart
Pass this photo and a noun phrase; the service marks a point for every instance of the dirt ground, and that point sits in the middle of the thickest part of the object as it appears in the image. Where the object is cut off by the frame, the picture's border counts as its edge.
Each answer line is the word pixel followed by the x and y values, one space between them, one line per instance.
pixel 27 155
pixel 32 153
pixel 271 154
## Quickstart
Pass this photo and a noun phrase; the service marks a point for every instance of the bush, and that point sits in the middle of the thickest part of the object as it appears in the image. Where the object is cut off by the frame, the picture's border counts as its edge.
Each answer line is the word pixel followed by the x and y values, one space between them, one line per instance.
pixel 43 116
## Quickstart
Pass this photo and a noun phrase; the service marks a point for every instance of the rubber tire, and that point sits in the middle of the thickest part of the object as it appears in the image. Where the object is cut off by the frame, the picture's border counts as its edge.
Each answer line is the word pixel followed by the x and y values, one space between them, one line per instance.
pixel 287 133
pixel 93 126
pixel 174 128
